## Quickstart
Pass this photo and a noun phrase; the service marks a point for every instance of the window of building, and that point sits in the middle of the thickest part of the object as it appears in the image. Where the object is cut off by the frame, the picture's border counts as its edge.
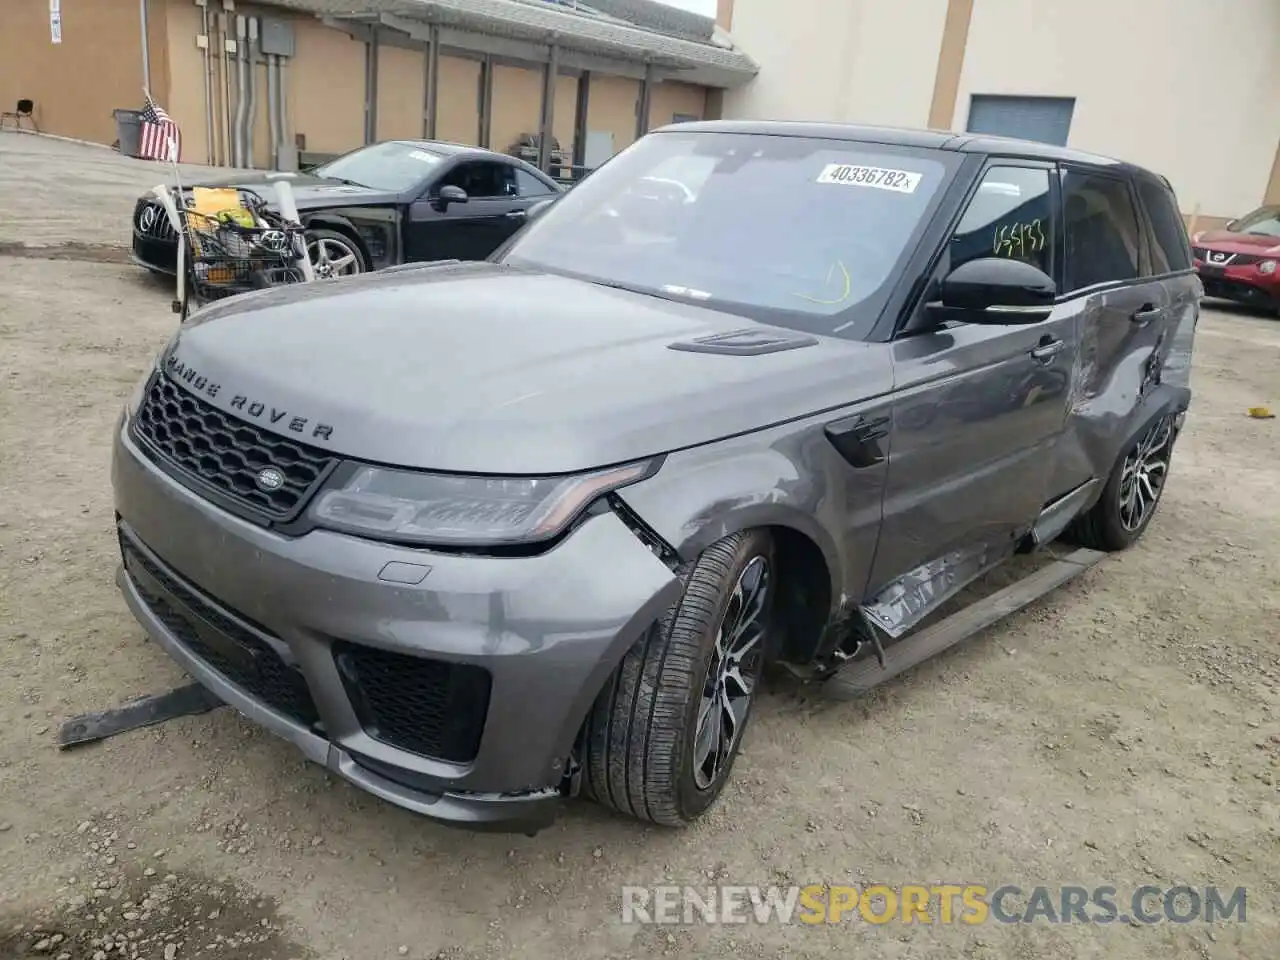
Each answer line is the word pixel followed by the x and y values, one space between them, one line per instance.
pixel 1101 230
pixel 1010 216
pixel 1169 246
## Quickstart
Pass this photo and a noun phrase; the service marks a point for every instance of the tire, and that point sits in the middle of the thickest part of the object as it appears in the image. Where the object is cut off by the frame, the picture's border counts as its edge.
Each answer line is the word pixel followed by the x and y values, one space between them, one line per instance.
pixel 1111 524
pixel 330 240
pixel 640 752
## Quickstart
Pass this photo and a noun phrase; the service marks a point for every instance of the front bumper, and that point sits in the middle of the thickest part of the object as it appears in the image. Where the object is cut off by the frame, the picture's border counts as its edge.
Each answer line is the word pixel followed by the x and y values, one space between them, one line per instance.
pixel 1244 284
pixel 548 630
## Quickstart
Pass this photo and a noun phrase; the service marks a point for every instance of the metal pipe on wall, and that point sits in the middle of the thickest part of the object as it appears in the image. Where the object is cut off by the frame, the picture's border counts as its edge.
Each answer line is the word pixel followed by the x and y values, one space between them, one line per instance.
pixel 146 47
pixel 242 101
pixel 210 155
pixel 251 93
pixel 273 111
pixel 225 38
pixel 282 86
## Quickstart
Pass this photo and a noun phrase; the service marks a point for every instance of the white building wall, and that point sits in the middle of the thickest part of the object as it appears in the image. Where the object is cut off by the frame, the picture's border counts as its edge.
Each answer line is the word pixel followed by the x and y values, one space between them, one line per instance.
pixel 1188 88
pixel 861 61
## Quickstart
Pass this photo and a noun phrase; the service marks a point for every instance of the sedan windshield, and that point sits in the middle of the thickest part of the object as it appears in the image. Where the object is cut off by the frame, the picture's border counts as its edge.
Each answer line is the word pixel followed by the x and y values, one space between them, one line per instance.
pixel 1264 222
pixel 804 233
pixel 393 166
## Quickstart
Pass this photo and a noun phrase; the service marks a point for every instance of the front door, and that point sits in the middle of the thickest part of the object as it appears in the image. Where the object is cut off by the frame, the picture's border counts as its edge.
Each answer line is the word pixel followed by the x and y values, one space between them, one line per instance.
pixel 466 231
pixel 977 409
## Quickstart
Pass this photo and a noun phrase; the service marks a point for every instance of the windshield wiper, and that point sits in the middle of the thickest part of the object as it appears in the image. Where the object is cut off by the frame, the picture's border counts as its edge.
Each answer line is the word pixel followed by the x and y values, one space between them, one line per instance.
pixel 345 181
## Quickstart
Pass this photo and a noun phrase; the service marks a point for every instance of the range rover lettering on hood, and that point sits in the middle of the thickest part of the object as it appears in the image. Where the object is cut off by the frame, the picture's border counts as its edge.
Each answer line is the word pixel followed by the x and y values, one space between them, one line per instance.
pixel 248 407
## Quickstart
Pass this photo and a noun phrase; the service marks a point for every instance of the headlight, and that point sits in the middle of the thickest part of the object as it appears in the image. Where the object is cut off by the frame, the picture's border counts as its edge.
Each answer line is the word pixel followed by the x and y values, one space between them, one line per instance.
pixel 1267 266
pixel 444 509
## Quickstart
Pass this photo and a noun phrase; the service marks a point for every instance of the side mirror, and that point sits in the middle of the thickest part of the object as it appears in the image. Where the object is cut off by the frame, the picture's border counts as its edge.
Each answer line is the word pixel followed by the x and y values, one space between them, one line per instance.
pixel 997 290
pixel 451 194
pixel 1230 226
pixel 538 209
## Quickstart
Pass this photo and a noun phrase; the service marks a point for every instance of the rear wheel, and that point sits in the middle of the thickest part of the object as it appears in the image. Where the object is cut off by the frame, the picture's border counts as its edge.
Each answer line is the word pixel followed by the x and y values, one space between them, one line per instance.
pixel 1132 493
pixel 662 737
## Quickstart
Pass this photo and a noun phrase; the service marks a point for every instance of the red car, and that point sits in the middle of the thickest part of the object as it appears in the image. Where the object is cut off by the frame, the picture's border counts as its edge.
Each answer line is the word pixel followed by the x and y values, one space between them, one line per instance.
pixel 1239 261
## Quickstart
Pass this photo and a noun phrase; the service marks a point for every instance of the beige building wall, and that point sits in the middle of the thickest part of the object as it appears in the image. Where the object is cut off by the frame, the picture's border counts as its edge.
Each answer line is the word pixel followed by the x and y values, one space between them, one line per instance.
pixel 517 105
pixel 671 98
pixel 186 64
pixel 861 61
pixel 1174 85
pixel 325 88
pixel 402 81
pixel 611 106
pixel 95 69
pixel 458 103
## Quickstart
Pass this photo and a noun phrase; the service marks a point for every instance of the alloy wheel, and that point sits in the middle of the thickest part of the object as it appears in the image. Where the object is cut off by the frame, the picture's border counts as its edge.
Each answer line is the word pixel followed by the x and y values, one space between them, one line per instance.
pixel 1143 475
pixel 332 257
pixel 732 674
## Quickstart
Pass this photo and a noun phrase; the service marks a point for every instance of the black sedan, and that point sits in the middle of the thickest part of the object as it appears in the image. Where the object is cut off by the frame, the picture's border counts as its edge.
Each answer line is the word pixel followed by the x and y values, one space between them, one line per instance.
pixel 388 203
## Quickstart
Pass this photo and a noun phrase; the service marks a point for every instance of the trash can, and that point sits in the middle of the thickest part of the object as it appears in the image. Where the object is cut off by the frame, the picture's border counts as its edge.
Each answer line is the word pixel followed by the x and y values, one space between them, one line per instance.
pixel 128 131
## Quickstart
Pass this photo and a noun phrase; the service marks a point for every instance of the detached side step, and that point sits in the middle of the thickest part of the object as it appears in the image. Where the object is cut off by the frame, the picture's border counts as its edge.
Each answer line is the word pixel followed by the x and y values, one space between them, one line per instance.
pixel 858 678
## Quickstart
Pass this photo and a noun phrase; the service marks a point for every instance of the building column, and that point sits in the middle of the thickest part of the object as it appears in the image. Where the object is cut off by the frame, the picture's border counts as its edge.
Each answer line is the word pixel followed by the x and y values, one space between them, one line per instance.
pixel 549 74
pixel 485 112
pixel 431 93
pixel 946 81
pixel 580 111
pixel 643 101
pixel 371 87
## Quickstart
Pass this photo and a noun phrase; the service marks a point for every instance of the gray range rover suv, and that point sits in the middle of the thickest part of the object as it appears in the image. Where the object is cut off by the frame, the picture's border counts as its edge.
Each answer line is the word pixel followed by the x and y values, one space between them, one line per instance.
pixel 480 536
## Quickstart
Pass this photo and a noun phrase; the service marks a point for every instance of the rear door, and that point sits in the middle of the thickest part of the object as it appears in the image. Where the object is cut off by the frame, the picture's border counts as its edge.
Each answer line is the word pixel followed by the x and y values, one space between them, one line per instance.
pixel 977 410
pixel 1126 314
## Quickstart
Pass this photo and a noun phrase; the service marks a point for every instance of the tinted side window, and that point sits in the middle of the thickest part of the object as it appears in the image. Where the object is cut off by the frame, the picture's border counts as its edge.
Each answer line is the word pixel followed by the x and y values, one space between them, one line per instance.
pixel 1170 249
pixel 530 186
pixel 1101 228
pixel 483 178
pixel 1010 216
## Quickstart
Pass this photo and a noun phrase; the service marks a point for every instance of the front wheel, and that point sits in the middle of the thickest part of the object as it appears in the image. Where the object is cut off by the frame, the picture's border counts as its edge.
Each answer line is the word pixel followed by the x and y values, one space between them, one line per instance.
pixel 1132 493
pixel 663 734
pixel 333 254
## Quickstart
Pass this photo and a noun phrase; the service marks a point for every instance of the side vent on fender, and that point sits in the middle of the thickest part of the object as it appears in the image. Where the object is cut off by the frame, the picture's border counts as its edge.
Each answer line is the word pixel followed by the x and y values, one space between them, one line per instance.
pixel 860 439
pixel 745 343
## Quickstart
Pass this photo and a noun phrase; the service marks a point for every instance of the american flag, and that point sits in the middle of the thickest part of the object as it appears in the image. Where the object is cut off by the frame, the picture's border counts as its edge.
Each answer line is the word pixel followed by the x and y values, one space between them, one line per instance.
pixel 160 138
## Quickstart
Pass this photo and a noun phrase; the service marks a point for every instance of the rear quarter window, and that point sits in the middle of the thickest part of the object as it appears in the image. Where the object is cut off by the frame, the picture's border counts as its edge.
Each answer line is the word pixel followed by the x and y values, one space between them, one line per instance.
pixel 1170 249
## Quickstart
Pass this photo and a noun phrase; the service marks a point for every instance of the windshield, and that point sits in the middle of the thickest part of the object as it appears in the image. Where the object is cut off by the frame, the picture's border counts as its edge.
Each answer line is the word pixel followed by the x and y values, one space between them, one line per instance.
pixel 797 232
pixel 1263 223
pixel 392 166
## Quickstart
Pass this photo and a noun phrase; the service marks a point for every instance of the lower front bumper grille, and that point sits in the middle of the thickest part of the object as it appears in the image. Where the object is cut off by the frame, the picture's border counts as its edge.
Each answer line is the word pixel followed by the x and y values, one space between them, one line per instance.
pixel 216 638
pixel 434 708
pixel 1237 290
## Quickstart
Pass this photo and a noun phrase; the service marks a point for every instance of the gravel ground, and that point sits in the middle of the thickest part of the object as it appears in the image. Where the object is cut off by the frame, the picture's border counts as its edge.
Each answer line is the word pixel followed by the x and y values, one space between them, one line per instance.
pixel 1122 731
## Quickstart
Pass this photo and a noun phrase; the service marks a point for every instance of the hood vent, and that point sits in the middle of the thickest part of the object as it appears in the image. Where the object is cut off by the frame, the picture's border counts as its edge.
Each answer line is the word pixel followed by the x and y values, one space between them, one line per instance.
pixel 751 342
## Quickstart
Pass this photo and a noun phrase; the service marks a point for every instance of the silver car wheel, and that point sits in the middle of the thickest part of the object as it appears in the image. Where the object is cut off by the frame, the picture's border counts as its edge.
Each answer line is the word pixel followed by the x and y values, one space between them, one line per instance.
pixel 1143 475
pixel 333 257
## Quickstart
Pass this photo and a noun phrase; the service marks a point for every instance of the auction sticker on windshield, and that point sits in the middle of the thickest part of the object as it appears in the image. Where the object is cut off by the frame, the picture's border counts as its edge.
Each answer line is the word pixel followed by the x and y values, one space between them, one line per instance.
pixel 882 178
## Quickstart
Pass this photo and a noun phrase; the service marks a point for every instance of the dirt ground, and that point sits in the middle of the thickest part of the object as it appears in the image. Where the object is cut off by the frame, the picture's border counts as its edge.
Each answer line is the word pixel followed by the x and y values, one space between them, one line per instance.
pixel 1123 731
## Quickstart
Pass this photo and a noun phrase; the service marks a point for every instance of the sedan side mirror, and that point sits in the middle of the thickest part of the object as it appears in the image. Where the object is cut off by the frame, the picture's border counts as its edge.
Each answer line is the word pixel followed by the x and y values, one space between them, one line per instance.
pixel 451 194
pixel 997 290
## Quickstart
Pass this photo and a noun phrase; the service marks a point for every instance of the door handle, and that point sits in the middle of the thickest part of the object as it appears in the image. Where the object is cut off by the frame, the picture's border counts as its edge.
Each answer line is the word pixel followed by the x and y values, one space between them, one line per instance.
pixel 514 214
pixel 1047 350
pixel 1148 313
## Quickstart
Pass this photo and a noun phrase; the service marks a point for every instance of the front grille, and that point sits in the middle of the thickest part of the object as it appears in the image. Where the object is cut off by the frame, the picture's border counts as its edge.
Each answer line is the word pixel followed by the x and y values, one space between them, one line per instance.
pixel 211 450
pixel 1230 260
pixel 1236 290
pixel 201 627
pixel 430 707
pixel 151 220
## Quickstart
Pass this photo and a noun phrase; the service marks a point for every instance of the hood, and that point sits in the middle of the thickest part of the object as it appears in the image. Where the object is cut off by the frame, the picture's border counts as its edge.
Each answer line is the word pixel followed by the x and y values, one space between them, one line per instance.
pixel 481 368
pixel 310 192
pixel 1237 242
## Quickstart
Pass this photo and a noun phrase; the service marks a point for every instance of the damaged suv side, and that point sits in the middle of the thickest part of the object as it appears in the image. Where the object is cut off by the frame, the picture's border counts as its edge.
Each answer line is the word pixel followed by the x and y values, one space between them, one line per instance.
pixel 479 536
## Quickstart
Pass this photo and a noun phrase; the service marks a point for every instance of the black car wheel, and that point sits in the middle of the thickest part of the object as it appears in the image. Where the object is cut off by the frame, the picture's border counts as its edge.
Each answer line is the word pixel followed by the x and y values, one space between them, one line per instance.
pixel 663 735
pixel 334 254
pixel 1132 493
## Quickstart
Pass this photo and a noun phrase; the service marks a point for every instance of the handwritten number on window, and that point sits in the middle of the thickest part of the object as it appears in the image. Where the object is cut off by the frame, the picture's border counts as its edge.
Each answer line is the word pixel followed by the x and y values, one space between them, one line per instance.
pixel 1019 239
